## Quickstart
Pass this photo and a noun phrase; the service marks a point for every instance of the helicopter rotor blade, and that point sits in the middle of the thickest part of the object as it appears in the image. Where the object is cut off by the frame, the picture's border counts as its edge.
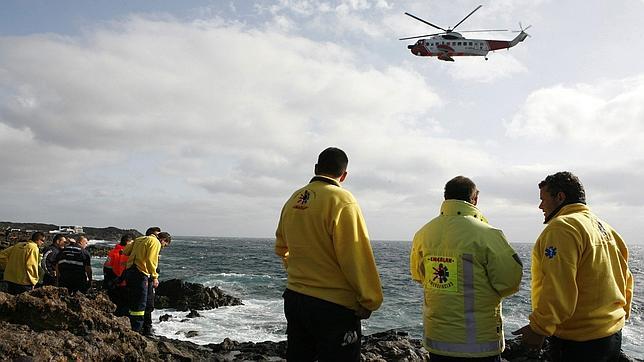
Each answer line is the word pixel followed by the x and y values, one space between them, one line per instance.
pixel 426 22
pixel 468 15
pixel 419 36
pixel 483 31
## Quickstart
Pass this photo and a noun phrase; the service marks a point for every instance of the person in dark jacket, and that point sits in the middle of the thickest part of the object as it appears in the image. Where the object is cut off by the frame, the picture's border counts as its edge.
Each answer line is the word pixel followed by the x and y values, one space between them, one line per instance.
pixel 73 267
pixel 48 261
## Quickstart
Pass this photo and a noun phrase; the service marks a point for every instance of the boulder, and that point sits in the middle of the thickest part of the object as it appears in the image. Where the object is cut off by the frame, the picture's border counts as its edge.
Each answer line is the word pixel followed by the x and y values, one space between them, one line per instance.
pixel 184 296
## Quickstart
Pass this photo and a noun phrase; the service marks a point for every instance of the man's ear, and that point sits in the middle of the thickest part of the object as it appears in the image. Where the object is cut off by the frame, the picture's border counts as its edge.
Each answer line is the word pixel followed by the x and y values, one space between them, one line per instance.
pixel 561 197
pixel 344 175
pixel 315 169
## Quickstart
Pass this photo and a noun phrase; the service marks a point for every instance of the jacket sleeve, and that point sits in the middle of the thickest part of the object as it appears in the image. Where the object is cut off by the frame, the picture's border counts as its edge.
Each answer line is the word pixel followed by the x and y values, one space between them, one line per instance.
pixel 152 260
pixel 416 258
pixel 32 257
pixel 355 256
pixel 281 247
pixel 628 277
pixel 504 268
pixel 4 257
pixel 556 274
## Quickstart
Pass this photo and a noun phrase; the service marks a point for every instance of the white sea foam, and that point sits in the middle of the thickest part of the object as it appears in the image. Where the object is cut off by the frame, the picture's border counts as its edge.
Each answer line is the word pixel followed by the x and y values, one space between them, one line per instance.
pixel 255 321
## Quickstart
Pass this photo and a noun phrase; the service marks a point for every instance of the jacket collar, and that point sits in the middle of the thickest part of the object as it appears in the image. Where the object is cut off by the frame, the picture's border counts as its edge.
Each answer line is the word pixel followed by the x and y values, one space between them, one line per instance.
pixel 326 179
pixel 461 208
pixel 567 210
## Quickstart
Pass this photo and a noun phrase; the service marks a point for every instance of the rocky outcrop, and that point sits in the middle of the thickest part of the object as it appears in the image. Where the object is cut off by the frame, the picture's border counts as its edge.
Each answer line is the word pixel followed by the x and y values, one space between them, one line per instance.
pixel 184 296
pixel 49 324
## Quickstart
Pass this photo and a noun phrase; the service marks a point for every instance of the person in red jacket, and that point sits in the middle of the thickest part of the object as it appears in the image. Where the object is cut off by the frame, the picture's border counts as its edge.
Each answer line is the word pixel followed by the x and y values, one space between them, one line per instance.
pixel 112 272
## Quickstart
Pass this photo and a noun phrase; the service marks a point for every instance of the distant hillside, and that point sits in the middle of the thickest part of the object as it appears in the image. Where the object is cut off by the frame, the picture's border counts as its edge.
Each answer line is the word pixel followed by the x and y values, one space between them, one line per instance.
pixel 12 231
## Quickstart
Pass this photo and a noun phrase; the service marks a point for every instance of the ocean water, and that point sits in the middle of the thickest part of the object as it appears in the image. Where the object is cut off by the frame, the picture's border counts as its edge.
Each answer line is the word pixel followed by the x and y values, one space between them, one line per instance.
pixel 248 269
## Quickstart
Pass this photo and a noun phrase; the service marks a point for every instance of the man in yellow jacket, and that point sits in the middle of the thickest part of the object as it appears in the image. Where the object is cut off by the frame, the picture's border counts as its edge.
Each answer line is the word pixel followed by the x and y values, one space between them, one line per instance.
pixel 466 268
pixel 332 281
pixel 141 277
pixel 20 264
pixel 581 285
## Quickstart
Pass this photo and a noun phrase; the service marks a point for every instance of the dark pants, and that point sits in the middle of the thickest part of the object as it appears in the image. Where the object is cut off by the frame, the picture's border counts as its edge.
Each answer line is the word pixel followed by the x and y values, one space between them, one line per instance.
pixel 139 289
pixel 74 282
pixel 15 289
pixel 438 358
pixel 49 280
pixel 596 350
pixel 320 330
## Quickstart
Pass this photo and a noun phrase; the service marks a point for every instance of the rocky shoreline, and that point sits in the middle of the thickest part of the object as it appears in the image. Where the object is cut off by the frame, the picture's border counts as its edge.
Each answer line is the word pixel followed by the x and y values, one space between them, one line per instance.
pixel 50 324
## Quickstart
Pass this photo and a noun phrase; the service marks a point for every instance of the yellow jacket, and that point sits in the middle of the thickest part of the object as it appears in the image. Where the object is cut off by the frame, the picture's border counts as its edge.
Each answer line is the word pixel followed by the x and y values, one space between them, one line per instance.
pixel 581 285
pixel 20 263
pixel 144 252
pixel 323 240
pixel 466 267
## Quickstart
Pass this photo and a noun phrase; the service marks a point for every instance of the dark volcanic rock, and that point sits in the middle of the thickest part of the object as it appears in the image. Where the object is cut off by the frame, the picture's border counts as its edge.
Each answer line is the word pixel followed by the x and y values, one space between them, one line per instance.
pixel 392 345
pixel 50 324
pixel 184 296
pixel 193 314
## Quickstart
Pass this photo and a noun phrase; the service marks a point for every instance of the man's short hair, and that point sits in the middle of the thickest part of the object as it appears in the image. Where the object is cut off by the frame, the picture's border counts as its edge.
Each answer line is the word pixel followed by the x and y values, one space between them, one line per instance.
pixel 332 161
pixel 37 236
pixel 152 230
pixel 125 238
pixel 567 183
pixel 56 238
pixel 459 188
pixel 165 236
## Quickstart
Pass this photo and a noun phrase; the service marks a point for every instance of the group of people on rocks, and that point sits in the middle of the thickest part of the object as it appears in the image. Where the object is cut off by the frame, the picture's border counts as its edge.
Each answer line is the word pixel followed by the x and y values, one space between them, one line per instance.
pixel 130 272
pixel 581 287
pixel 65 263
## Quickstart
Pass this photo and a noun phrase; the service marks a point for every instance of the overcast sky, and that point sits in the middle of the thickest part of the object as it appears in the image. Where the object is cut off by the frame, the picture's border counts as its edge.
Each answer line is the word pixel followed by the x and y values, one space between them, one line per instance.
pixel 202 117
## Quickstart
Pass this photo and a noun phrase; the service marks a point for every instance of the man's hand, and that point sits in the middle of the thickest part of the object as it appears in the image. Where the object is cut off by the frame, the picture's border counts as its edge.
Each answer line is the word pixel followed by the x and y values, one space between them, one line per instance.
pixel 155 283
pixel 530 338
pixel 363 313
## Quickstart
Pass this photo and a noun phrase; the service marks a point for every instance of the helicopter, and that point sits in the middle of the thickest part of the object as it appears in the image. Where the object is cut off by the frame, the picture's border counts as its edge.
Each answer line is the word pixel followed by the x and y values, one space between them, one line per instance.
pixel 448 43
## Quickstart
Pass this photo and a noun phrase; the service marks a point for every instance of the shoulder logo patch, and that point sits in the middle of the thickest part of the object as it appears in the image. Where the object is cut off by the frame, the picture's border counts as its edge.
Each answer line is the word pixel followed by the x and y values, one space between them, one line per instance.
pixel 551 251
pixel 303 200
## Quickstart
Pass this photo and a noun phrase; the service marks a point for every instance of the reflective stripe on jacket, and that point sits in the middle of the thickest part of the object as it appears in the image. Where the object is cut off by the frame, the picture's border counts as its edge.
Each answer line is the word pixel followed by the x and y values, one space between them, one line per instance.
pixel 581 285
pixel 466 267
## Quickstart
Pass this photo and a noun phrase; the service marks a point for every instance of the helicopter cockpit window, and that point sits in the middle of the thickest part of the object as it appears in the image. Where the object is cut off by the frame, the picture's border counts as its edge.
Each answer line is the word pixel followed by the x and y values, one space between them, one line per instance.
pixel 471 44
pixel 459 43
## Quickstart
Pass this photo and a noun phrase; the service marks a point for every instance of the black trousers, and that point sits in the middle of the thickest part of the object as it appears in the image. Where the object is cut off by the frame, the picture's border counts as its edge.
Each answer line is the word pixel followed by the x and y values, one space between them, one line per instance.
pixel 15 289
pixel 320 330
pixel 597 350
pixel 439 358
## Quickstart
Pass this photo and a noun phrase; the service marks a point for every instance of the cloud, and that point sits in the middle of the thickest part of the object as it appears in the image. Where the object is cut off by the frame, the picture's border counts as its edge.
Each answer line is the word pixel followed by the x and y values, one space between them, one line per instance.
pixel 603 114
pixel 499 65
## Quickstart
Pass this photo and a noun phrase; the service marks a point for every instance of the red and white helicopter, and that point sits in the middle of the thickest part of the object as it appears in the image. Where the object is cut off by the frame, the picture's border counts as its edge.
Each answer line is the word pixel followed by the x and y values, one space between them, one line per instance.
pixel 449 43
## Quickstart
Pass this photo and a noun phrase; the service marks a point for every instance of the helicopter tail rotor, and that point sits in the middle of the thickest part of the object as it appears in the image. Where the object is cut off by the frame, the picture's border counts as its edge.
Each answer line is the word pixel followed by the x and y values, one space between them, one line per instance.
pixel 522 29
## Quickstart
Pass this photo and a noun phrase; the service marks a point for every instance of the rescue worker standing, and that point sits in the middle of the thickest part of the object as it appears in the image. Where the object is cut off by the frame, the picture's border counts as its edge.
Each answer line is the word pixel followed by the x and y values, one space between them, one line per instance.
pixel 48 262
pixel 141 277
pixel 332 282
pixel 582 287
pixel 466 267
pixel 113 278
pixel 73 266
pixel 20 264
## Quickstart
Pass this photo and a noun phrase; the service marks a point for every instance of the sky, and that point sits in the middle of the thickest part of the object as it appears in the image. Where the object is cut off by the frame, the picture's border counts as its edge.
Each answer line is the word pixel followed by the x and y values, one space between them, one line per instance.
pixel 202 117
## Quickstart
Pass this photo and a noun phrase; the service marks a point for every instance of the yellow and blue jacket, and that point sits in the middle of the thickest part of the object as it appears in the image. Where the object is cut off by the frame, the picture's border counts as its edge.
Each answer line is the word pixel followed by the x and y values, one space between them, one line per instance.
pixel 144 253
pixel 323 241
pixel 466 268
pixel 581 285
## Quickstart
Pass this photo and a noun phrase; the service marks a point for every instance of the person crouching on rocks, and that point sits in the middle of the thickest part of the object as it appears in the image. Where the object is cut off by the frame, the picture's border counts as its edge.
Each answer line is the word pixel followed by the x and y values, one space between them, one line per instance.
pixel 142 277
pixel 20 264
pixel 113 278
pixel 73 266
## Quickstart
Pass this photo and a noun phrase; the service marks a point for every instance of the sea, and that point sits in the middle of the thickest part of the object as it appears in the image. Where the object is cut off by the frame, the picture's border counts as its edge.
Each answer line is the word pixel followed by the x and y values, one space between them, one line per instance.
pixel 249 269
